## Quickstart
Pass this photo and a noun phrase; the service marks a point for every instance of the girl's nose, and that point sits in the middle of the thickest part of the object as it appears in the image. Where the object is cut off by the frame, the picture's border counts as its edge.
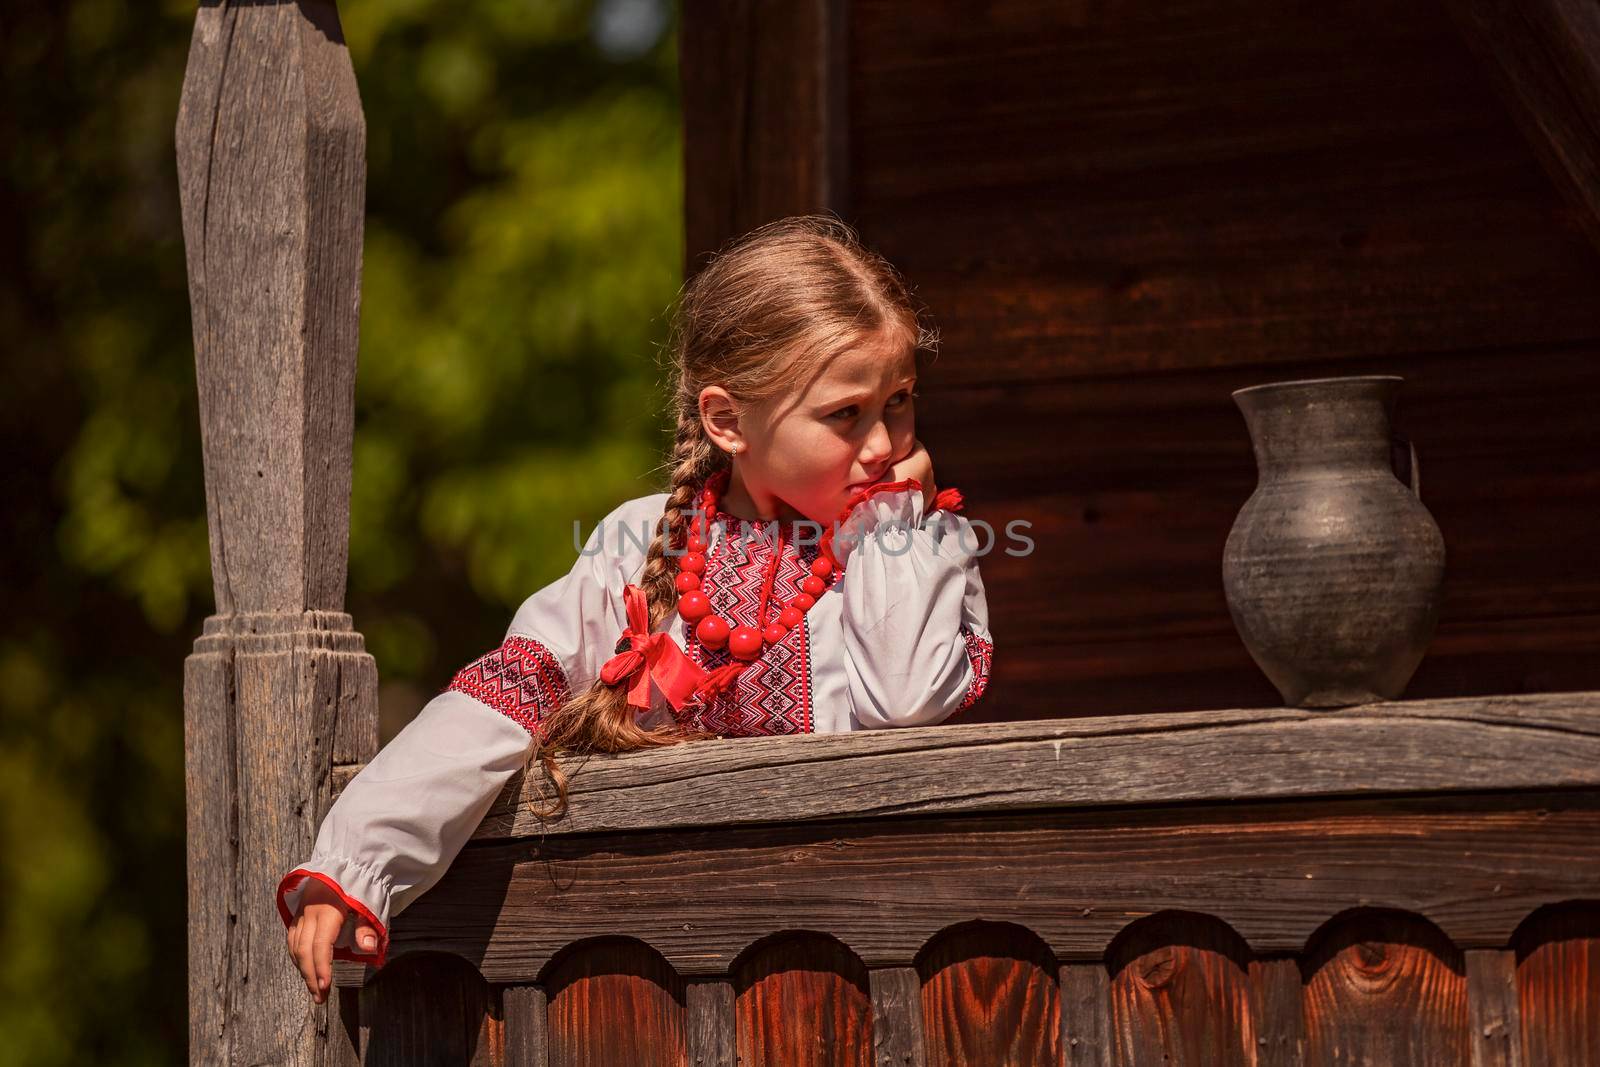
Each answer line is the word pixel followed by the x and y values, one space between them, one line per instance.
pixel 879 448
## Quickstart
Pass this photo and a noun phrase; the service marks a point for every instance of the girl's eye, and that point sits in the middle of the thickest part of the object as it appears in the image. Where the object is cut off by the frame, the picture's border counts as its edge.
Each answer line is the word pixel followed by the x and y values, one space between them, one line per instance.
pixel 849 412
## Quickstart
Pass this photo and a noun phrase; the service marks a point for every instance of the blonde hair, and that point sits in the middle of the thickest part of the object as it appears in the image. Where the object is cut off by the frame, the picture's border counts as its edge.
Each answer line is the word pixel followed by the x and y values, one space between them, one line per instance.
pixel 760 318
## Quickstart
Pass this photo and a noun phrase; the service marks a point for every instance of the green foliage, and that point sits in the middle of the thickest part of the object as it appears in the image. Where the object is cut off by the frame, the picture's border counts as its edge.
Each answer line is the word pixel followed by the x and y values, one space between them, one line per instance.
pixel 523 247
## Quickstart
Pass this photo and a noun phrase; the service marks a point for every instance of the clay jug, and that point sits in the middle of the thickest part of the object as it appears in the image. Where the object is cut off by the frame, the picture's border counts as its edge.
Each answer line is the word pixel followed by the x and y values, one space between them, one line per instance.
pixel 1333 567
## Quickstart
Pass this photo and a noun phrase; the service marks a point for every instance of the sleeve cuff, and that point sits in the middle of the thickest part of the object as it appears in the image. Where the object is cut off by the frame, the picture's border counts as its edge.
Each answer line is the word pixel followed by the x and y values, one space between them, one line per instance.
pixel 362 885
pixel 980 656
pixel 887 503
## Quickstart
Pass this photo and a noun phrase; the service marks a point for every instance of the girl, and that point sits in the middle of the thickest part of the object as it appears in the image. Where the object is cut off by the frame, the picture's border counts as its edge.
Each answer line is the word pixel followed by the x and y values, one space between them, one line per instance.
pixel 802 575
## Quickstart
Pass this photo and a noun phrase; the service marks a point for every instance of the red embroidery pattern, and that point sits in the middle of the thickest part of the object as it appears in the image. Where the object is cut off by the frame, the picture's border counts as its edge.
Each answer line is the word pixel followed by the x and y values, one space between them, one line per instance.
pixel 773 694
pixel 521 679
pixel 980 653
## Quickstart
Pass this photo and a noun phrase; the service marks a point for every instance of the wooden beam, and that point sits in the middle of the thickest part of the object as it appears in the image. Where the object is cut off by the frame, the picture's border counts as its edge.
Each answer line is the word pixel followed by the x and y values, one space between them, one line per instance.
pixel 709 1029
pixel 271 165
pixel 1492 1006
pixel 1544 56
pixel 1276 1005
pixel 523 1008
pixel 1086 1030
pixel 1468 744
pixel 1275 873
pixel 765 116
pixel 896 1017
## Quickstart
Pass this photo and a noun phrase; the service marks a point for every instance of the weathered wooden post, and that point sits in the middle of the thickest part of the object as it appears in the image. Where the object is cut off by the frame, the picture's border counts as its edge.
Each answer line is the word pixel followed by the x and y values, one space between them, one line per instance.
pixel 271 161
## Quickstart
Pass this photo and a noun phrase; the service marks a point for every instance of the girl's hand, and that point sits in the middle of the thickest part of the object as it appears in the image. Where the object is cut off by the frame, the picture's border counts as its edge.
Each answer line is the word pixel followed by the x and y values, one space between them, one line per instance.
pixel 313 932
pixel 919 465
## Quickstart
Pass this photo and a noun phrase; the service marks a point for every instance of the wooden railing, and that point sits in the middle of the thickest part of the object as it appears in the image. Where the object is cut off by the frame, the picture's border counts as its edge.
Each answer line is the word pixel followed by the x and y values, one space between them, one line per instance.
pixel 1405 883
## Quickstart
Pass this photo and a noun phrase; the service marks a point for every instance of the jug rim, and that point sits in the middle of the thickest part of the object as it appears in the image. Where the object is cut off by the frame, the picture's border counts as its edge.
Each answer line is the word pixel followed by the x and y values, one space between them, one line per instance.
pixel 1267 386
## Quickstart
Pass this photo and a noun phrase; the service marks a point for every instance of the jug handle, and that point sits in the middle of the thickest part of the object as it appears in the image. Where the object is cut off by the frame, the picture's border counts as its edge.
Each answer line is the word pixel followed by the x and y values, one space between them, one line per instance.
pixel 1413 470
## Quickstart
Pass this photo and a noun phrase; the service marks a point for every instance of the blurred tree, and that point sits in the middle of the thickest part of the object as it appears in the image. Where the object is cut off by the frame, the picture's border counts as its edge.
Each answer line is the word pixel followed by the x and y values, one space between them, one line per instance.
pixel 523 247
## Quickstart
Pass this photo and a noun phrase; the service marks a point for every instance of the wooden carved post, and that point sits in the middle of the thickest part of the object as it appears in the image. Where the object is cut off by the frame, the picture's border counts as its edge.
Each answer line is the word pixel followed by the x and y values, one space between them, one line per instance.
pixel 271 161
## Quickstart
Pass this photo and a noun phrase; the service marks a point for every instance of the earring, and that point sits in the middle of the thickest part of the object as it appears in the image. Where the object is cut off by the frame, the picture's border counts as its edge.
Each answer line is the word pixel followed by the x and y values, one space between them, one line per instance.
pixel 733 451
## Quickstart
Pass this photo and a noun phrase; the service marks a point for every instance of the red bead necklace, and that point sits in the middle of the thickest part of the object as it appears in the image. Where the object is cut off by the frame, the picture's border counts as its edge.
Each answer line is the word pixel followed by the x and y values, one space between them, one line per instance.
pixel 744 643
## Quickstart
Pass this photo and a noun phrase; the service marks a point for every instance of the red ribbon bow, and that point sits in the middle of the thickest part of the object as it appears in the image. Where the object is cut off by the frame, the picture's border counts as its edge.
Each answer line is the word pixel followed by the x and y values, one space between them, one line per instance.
pixel 650 656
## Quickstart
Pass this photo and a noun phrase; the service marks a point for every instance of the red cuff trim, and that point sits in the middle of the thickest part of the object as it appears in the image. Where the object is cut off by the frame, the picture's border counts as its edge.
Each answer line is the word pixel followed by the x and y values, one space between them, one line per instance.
pixel 873 490
pixel 300 874
pixel 826 543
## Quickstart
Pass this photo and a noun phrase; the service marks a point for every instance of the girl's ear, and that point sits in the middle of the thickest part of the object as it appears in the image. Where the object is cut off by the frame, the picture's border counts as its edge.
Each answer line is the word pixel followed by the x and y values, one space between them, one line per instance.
pixel 719 417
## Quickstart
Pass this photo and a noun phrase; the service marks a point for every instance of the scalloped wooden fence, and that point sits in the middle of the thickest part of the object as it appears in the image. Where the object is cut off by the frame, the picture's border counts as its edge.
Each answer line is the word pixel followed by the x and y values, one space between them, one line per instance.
pixel 1447 913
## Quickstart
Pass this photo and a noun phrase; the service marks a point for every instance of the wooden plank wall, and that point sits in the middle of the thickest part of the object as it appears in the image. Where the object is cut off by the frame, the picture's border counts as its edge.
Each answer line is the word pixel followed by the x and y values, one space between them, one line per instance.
pixel 1418 932
pixel 1118 214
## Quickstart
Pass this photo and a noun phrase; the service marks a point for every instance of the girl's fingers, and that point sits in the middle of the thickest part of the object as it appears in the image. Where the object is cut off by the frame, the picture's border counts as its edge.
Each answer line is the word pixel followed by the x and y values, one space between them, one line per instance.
pixel 366 937
pixel 296 928
pixel 302 953
pixel 328 925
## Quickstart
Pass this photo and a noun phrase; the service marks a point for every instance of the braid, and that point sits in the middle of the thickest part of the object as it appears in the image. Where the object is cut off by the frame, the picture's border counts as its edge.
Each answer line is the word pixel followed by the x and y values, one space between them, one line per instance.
pixel 601 719
pixel 693 461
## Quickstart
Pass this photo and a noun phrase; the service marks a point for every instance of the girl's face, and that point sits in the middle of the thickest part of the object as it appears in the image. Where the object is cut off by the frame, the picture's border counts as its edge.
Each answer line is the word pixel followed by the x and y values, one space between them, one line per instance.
pixel 803 456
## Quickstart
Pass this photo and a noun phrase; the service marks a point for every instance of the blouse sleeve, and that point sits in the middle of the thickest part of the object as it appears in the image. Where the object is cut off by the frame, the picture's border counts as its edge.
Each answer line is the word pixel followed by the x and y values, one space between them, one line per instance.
pixel 916 622
pixel 399 823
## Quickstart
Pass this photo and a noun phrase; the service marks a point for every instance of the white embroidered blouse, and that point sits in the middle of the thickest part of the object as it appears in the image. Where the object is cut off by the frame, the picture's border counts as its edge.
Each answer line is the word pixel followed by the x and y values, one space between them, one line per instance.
pixel 900 638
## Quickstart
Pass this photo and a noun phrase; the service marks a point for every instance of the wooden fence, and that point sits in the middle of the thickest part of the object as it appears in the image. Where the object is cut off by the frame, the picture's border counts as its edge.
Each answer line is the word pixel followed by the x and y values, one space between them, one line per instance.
pixel 1414 883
